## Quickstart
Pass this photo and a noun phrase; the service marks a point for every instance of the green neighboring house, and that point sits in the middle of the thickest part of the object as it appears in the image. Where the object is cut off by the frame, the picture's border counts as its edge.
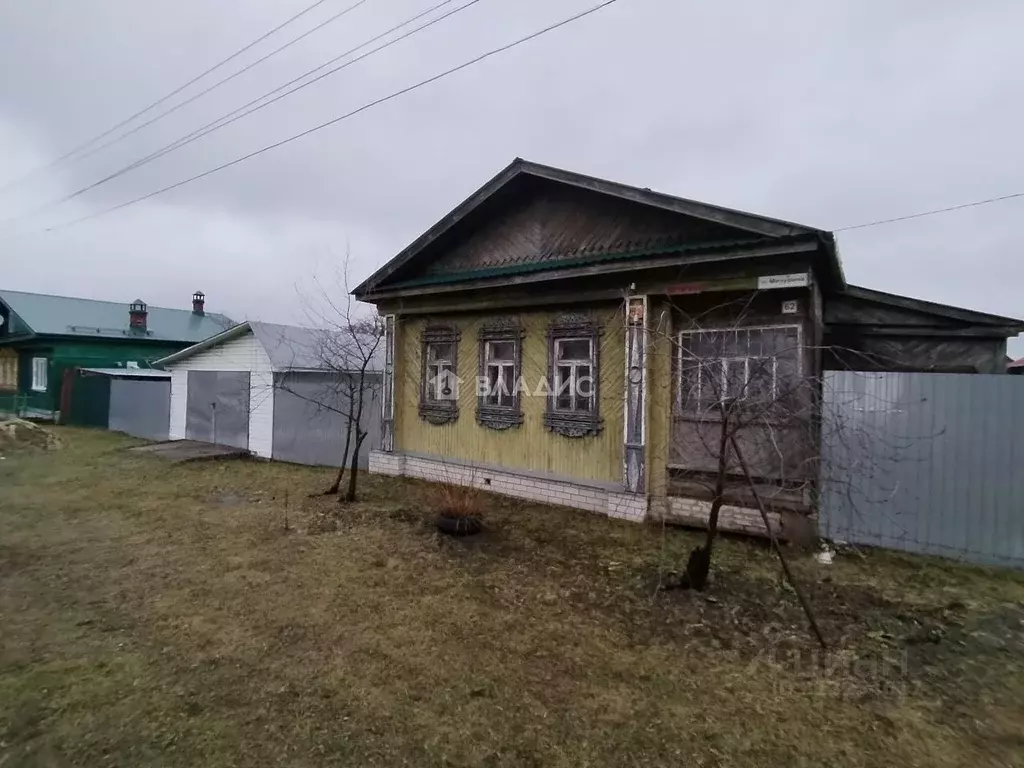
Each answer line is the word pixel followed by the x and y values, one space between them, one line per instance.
pixel 43 336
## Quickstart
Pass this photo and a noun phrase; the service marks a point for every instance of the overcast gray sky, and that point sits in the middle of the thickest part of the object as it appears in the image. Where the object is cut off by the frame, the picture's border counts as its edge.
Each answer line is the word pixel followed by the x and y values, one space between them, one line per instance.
pixel 825 113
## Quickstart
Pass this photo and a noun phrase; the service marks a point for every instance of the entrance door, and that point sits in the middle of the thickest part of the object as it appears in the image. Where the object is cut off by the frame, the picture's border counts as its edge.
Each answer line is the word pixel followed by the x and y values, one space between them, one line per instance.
pixel 217 407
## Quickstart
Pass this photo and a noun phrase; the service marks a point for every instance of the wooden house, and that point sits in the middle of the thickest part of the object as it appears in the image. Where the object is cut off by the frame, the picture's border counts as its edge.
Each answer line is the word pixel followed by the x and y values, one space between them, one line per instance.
pixel 43 336
pixel 545 278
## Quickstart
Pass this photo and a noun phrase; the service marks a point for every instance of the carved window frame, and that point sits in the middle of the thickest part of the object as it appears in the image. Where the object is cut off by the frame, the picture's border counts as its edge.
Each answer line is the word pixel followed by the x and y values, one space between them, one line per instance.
pixel 574 423
pixel 430 410
pixel 500 416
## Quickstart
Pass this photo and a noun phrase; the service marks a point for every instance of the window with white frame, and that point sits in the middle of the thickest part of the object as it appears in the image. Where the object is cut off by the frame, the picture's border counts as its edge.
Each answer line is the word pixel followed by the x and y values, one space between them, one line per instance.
pixel 500 369
pixel 757 365
pixel 439 393
pixel 39 366
pixel 573 375
pixel 501 355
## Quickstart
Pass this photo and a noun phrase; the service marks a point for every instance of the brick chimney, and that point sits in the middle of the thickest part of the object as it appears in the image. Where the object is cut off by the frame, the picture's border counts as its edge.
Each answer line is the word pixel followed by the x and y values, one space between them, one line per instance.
pixel 198 301
pixel 137 315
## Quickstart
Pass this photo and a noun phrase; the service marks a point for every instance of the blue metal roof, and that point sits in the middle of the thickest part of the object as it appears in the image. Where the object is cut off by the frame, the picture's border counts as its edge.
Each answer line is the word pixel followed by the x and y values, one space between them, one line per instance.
pixel 64 316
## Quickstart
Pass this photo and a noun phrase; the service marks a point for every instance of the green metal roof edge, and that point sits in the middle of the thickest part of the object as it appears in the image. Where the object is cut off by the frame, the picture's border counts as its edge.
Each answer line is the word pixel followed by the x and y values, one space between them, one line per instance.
pixel 477 274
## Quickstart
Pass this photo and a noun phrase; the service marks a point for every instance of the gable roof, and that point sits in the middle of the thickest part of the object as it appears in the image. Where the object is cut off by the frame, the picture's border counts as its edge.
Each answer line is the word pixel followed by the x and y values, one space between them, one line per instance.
pixel 46 315
pixel 289 348
pixel 748 227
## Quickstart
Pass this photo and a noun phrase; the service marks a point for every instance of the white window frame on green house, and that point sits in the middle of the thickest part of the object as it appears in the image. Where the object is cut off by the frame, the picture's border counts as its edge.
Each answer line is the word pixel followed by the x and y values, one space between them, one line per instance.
pixel 40 367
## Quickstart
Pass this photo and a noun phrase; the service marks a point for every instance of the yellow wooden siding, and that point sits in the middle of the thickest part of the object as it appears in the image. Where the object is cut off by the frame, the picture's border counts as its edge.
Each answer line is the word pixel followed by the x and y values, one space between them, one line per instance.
pixel 530 446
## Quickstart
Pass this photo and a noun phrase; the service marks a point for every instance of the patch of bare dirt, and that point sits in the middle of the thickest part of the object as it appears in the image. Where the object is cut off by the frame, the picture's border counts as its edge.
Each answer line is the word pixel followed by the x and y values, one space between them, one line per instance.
pixel 18 434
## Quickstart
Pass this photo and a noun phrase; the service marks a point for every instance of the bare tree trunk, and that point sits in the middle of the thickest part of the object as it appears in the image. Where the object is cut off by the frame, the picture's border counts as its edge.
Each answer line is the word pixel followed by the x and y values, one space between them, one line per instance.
pixel 353 473
pixel 699 563
pixel 775 542
pixel 344 459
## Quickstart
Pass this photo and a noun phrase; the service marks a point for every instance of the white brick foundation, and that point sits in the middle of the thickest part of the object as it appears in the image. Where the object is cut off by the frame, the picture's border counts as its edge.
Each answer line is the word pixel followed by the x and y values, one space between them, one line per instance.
pixel 566 493
pixel 734 519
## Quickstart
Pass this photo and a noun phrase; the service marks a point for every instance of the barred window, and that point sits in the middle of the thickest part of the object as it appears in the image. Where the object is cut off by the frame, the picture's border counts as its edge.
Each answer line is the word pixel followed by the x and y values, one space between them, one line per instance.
pixel 757 365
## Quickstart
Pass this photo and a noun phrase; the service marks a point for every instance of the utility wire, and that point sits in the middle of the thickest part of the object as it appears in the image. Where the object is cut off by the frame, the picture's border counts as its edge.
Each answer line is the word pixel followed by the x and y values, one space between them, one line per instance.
pixel 219 83
pixel 245 110
pixel 363 108
pixel 161 100
pixel 960 207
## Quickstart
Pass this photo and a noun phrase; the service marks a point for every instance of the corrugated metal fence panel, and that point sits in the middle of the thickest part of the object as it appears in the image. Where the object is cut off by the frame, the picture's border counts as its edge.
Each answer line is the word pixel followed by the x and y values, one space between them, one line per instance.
pixel 141 407
pixel 926 463
pixel 308 429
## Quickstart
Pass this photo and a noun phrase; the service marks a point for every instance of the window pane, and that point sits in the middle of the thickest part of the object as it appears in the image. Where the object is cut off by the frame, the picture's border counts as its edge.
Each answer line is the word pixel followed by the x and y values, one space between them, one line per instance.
pixel 573 349
pixel 431 383
pixel 509 378
pixel 584 381
pixel 761 376
pixel 563 402
pixel 563 379
pixel 583 403
pixel 439 351
pixel 493 384
pixel 501 350
pixel 734 343
pixel 689 383
pixel 735 378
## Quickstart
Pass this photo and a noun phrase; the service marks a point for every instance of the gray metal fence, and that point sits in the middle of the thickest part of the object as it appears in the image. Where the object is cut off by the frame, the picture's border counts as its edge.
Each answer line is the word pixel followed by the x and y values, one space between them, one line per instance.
pixel 309 421
pixel 140 407
pixel 924 462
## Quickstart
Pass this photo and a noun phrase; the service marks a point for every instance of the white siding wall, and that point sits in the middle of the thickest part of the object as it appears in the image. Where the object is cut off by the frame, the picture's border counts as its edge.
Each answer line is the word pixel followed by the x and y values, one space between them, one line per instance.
pixel 241 354
pixel 179 393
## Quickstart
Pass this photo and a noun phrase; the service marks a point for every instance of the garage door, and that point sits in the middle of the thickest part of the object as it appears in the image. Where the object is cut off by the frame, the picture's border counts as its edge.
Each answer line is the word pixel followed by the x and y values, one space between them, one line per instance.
pixel 217 407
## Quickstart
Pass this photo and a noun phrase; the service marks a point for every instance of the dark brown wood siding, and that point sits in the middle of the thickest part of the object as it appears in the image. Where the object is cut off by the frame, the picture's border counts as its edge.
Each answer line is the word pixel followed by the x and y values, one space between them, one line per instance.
pixel 780 450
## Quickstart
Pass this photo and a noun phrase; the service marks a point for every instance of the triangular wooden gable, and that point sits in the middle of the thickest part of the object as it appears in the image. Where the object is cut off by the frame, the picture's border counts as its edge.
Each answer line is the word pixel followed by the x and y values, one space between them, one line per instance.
pixel 531 215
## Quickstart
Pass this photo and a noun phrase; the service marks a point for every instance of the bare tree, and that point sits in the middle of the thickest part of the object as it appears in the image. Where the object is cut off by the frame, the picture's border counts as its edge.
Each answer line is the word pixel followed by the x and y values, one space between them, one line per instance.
pixel 346 346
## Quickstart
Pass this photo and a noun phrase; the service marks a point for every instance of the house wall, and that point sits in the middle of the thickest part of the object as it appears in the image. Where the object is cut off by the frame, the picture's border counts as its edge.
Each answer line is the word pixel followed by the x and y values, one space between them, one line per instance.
pixel 849 350
pixel 241 354
pixel 64 353
pixel 530 446
pixel 865 335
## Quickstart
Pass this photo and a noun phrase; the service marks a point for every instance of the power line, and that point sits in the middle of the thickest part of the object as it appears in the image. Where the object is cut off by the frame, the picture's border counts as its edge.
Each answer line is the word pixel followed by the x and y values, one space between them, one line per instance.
pixel 241 112
pixel 219 83
pixel 974 204
pixel 162 99
pixel 363 108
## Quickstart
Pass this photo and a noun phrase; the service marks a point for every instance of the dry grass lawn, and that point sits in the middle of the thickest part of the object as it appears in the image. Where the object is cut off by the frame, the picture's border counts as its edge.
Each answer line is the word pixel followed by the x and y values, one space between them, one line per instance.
pixel 162 615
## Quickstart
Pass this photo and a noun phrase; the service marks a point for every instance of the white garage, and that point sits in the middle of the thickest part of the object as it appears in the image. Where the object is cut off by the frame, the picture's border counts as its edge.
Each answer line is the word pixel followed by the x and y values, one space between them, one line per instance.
pixel 268 388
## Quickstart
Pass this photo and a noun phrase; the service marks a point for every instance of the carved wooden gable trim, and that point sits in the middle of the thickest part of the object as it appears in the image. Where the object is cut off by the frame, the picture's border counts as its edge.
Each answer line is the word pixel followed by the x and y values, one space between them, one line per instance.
pixel 557 224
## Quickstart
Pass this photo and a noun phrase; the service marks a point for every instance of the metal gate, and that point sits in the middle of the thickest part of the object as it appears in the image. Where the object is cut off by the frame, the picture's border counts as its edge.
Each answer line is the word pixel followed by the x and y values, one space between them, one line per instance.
pixel 140 407
pixel 217 407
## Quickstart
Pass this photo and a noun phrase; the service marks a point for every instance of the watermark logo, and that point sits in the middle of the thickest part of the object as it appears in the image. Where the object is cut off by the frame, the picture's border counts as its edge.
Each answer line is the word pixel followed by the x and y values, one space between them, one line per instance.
pixel 835 674
pixel 447 386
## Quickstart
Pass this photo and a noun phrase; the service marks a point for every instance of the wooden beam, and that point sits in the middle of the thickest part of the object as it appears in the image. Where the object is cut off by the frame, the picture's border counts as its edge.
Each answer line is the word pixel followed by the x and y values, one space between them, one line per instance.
pixel 987 331
pixel 625 266
pixel 398 306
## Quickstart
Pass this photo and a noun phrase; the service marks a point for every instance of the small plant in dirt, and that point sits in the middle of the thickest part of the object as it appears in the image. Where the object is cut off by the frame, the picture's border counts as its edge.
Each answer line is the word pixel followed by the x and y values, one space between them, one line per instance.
pixel 458 508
